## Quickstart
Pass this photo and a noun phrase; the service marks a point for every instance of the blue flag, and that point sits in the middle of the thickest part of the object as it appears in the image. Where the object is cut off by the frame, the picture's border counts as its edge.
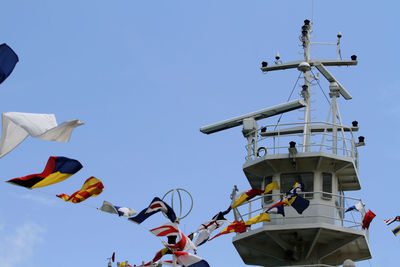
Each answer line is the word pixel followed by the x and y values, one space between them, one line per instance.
pixel 155 206
pixel 8 60
pixel 396 230
pixel 300 204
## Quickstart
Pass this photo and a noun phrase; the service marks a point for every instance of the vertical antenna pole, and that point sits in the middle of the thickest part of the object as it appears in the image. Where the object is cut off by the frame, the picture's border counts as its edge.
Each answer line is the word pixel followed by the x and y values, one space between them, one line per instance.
pixel 312 12
pixel 334 129
pixel 306 29
pixel 334 94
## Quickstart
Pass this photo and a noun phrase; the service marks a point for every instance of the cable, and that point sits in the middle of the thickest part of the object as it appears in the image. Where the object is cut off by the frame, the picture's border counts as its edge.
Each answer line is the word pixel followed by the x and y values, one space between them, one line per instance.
pixel 321 89
pixel 280 117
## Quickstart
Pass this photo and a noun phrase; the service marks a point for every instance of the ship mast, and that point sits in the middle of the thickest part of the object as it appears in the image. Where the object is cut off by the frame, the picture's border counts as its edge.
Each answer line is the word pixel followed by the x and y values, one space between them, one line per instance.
pixel 305 38
pixel 326 163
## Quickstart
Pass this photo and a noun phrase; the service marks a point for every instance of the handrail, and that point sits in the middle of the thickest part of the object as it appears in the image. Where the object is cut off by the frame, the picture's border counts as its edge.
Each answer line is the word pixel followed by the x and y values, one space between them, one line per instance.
pixel 330 203
pixel 344 142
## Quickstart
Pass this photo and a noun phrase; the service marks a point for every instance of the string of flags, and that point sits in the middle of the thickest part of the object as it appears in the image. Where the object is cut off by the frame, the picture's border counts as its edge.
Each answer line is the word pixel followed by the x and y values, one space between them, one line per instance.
pixel 59 169
pixel 396 230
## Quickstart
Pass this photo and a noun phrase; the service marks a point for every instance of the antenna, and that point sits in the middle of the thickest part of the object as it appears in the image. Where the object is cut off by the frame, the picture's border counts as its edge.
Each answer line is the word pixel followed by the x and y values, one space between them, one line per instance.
pixel 324 71
pixel 312 12
pixel 257 115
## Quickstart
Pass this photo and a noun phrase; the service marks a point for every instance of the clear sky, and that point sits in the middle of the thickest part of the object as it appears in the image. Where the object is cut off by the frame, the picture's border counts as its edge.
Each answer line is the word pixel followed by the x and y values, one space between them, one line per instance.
pixel 144 76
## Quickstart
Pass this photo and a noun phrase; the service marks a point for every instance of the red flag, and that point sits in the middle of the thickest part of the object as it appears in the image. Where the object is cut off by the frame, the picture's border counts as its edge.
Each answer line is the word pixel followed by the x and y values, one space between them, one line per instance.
pixel 236 226
pixel 368 217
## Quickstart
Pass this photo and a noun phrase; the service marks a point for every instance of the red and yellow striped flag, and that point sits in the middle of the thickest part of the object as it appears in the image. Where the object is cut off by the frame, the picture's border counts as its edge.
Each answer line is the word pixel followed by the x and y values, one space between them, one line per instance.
pixel 91 188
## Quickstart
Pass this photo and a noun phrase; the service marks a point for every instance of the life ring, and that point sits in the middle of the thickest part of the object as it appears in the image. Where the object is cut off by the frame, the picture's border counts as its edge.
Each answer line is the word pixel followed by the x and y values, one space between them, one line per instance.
pixel 259 151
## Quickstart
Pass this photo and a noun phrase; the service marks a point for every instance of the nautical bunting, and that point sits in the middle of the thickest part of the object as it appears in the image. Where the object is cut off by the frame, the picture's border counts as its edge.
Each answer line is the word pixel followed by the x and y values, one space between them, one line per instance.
pixel 17 126
pixel 291 198
pixel 159 255
pixel 189 260
pixel 8 60
pixel 358 207
pixel 263 217
pixel 255 192
pixel 184 243
pixel 396 230
pixel 235 227
pixel 299 204
pixel 57 170
pixel 91 188
pixel 390 221
pixel 166 230
pixel 368 217
pixel 276 209
pixel 155 206
pixel 121 211
pixel 204 231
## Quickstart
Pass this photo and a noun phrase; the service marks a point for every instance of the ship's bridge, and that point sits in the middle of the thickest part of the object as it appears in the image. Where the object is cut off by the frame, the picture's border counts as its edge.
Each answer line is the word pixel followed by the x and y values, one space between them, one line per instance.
pixel 328 166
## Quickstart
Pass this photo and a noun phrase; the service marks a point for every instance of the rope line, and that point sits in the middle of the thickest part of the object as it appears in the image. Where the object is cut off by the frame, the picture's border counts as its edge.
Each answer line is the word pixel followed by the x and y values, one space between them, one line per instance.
pixel 280 117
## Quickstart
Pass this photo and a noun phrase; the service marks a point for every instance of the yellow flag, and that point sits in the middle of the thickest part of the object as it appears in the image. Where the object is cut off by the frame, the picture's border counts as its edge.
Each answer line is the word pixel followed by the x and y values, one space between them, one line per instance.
pixel 240 200
pixel 271 186
pixel 263 217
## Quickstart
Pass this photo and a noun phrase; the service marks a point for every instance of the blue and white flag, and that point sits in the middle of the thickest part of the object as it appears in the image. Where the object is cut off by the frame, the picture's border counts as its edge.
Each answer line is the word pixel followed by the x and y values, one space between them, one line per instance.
pixel 155 206
pixel 358 207
pixel 121 211
pixel 8 60
pixel 390 221
pixel 276 209
pixel 189 260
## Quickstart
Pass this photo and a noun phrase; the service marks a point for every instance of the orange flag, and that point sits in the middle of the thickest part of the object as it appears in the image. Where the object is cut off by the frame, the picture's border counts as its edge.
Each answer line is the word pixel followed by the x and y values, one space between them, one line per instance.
pixel 236 226
pixel 91 188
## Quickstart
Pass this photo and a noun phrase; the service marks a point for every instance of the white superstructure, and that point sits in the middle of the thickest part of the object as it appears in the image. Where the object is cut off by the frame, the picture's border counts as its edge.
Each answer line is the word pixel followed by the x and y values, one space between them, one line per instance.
pixel 321 154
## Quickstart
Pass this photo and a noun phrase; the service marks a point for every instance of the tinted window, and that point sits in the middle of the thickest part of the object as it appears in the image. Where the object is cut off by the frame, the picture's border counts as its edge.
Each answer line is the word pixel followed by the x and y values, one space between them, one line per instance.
pixel 327 184
pixel 289 179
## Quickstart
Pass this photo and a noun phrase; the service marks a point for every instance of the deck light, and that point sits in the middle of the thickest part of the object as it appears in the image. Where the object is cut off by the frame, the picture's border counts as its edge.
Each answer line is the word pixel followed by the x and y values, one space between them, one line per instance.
pixel 354 123
pixel 263 129
pixel 353 57
pixel 264 64
pixel 360 141
pixel 339 35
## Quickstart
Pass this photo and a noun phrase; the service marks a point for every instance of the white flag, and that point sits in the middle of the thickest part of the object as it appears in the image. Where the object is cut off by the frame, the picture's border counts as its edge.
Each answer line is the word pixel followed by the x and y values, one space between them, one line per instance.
pixel 17 126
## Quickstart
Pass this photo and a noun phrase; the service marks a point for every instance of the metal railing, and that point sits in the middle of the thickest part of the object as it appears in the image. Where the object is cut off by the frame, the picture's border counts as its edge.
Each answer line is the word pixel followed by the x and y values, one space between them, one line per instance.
pixel 333 205
pixel 339 141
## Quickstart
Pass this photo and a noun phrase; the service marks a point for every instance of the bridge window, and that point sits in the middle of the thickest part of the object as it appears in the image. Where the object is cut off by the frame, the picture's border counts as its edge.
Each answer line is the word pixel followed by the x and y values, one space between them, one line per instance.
pixel 327 185
pixel 289 179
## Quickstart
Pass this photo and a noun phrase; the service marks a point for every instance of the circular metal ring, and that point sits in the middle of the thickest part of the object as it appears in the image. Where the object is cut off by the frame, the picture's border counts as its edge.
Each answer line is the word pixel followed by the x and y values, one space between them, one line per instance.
pixel 178 191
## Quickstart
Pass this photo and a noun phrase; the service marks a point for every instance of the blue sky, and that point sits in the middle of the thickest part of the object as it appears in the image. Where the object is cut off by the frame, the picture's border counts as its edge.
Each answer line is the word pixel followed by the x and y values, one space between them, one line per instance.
pixel 144 76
